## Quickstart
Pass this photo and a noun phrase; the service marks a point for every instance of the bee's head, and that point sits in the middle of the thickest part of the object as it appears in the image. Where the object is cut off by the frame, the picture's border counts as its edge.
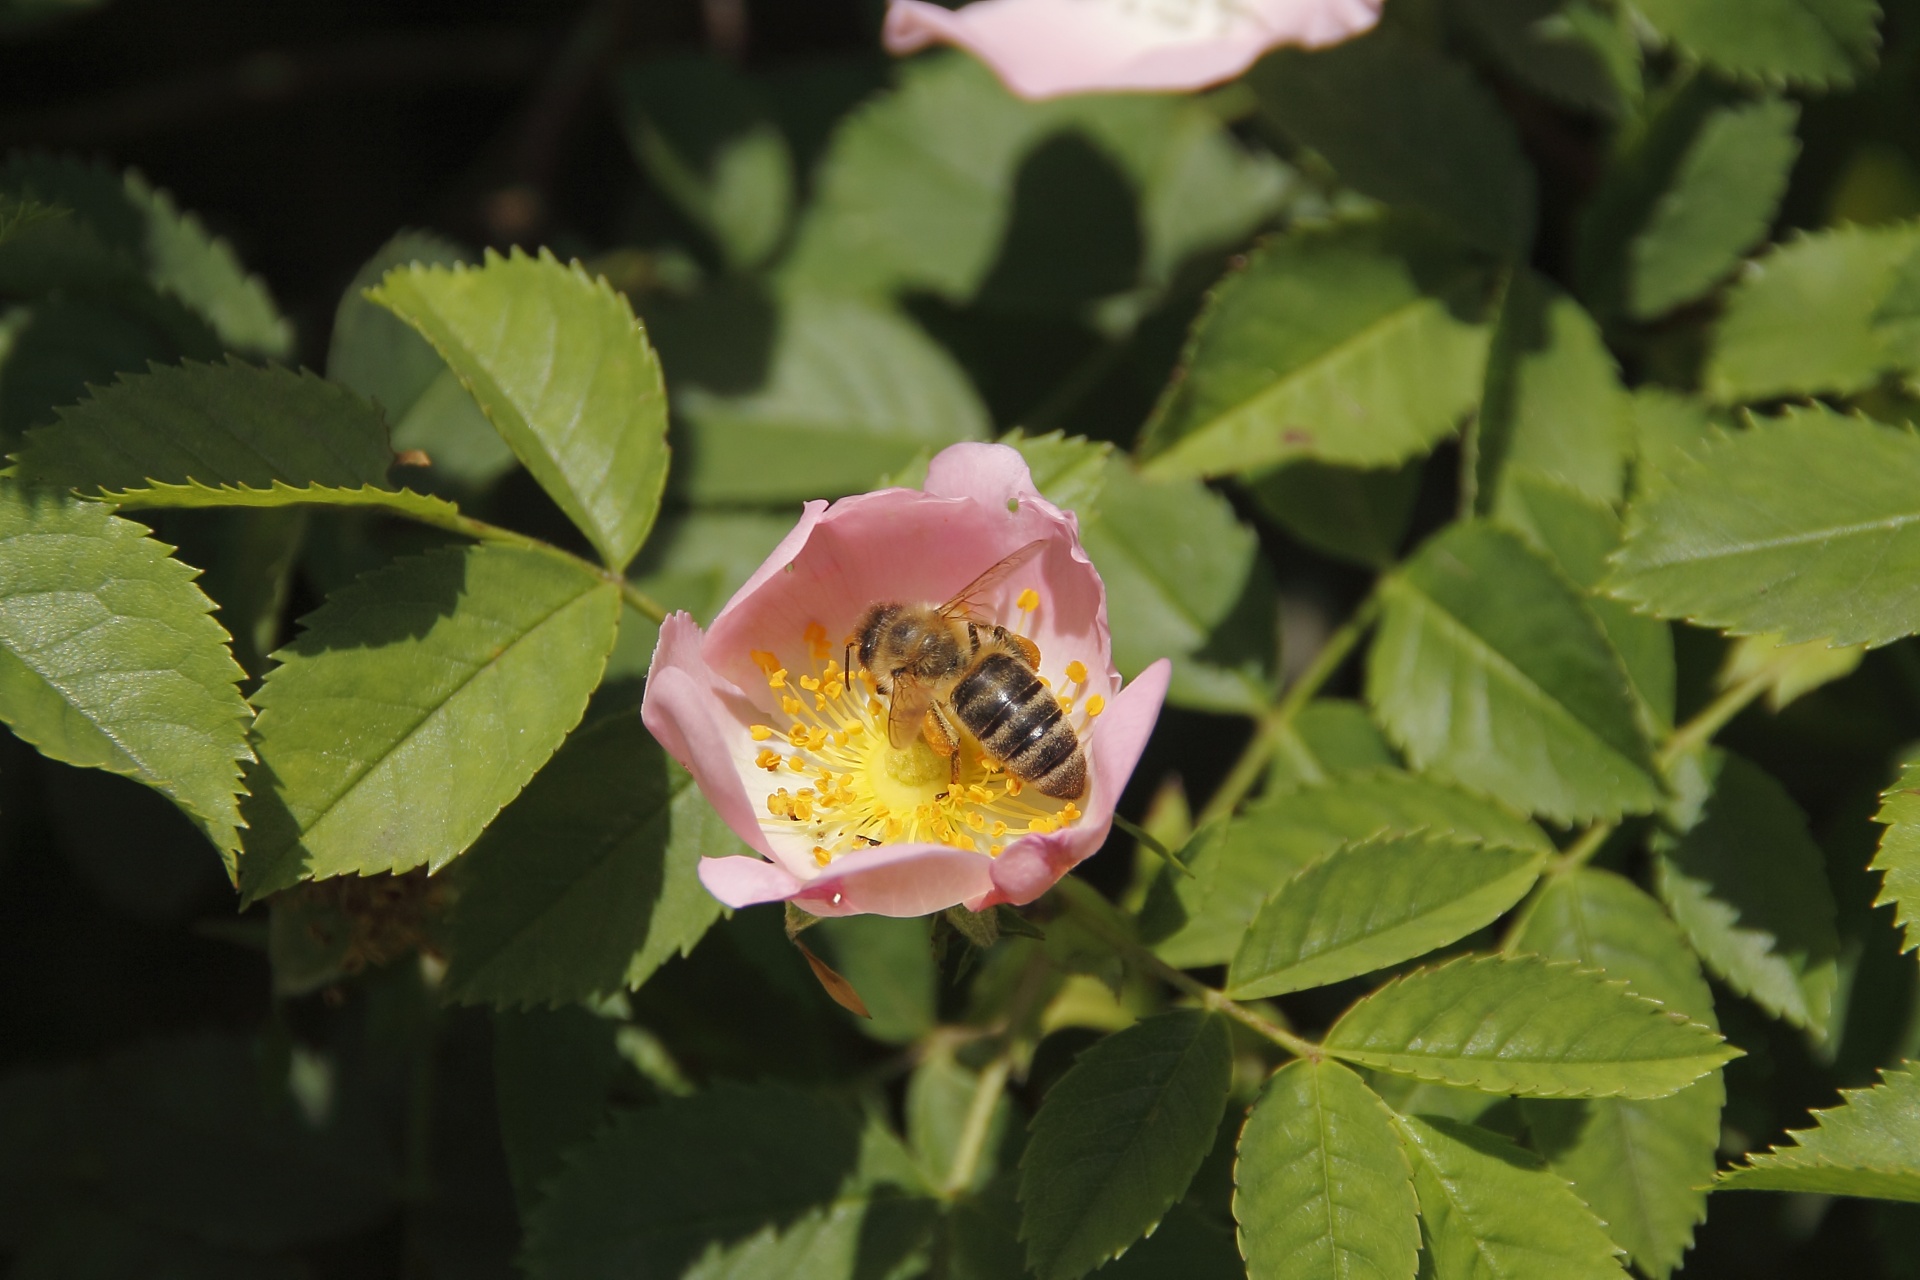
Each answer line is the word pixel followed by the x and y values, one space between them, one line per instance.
pixel 872 630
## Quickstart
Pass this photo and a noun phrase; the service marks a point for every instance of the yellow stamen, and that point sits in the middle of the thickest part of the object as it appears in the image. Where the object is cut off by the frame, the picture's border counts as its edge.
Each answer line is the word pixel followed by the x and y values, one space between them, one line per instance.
pixel 1029 601
pixel 816 638
pixel 768 759
pixel 1077 671
pixel 1095 705
pixel 760 732
pixel 1066 704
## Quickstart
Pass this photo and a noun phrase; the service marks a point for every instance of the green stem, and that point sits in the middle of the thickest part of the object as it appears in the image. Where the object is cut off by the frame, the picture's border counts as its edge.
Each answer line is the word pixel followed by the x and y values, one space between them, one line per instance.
pixel 973 1133
pixel 1152 842
pixel 1252 764
pixel 1086 905
pixel 480 531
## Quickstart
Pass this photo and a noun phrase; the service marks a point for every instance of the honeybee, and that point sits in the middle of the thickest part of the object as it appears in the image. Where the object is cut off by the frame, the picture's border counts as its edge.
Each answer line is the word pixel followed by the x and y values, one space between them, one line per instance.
pixel 942 664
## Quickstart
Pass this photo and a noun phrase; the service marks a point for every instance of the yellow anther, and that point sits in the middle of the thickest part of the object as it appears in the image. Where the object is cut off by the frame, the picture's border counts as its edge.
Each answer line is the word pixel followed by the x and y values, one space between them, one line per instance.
pixel 839 737
pixel 1029 601
pixel 833 688
pixel 1095 705
pixel 798 735
pixel 873 707
pixel 792 706
pixel 1077 671
pixel 816 638
pixel 977 822
pixel 1015 786
pixel 767 663
pixel 1066 704
pixel 760 732
pixel 780 804
pixel 803 806
pixel 1048 683
pixel 810 683
pixel 995 850
pixel 979 794
pixel 998 829
pixel 855 729
pixel 768 759
pixel 1069 813
pixel 778 679
pixel 821 857
pixel 798 764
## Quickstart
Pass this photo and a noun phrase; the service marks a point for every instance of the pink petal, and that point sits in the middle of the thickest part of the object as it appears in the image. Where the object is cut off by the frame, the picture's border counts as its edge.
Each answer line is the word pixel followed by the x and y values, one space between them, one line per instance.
pixel 1032 864
pixel 684 711
pixel 747 882
pixel 897 880
pixel 1046 48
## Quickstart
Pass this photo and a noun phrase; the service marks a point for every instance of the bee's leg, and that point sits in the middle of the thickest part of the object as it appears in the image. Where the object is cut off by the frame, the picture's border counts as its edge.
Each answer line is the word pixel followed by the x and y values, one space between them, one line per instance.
pixel 1029 651
pixel 944 741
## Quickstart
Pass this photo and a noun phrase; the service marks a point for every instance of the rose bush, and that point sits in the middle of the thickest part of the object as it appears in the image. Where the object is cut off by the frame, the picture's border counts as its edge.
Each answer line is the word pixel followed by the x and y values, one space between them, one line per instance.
pixel 791 748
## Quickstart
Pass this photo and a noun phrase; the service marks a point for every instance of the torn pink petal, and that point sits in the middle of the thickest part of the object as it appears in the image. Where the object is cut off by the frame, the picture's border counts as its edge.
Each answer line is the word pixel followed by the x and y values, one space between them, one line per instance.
pixel 1049 48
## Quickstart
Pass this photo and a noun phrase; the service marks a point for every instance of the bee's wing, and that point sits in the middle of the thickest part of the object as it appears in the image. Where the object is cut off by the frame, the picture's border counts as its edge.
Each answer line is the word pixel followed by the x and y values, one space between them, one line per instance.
pixel 906 706
pixel 963 604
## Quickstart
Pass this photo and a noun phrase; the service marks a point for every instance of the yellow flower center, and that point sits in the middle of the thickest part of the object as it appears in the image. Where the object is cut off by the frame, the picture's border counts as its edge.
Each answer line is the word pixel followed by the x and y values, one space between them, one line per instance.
pixel 842 786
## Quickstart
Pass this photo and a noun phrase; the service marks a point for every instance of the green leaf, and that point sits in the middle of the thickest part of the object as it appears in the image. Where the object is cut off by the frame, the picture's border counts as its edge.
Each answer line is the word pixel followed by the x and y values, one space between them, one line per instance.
pixel 1492 1211
pixel 1374 904
pixel 1321 1186
pixel 1668 428
pixel 1801 320
pixel 1640 1164
pixel 418 702
pixel 123 227
pixel 1789 671
pixel 1526 1026
pixel 1816 43
pixel 1401 122
pixel 1488 667
pixel 1329 737
pixel 890 963
pixel 1201 919
pixel 109 660
pixel 806 395
pixel 1748 885
pixel 1868 1146
pixel 563 371
pixel 1803 525
pixel 940 1094
pixel 708 142
pixel 213 425
pixel 656 1188
pixel 1564 49
pixel 1358 516
pixel 553 1071
pixel 17 216
pixel 1179 567
pixel 1691 191
pixel 589 881
pixel 1069 471
pixel 883 1235
pixel 1898 860
pixel 1553 407
pixel 932 186
pixel 1345 343
pixel 1118 1138
pixel 377 354
pixel 1578 534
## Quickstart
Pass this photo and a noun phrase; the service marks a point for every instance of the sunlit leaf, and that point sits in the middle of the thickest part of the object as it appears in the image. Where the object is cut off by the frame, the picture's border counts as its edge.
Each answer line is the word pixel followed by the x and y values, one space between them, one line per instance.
pixel 1868 1146
pixel 1492 1211
pixel 416 703
pixel 565 374
pixel 1345 344
pixel 1321 1186
pixel 1488 667
pixel 1803 525
pixel 108 658
pixel 1329 737
pixel 1118 1138
pixel 1801 320
pixel 1200 919
pixel 1374 904
pixel 1641 1165
pixel 1526 1026
pixel 1899 858
pixel 1790 671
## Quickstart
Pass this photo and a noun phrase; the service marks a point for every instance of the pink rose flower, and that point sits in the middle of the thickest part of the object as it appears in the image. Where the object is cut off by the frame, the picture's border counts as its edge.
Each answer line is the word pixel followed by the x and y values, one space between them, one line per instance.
pixel 1047 48
pixel 791 748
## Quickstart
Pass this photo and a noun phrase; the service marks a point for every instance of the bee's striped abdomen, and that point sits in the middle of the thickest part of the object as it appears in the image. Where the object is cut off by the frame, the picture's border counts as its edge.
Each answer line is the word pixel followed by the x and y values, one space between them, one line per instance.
pixel 1004 705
